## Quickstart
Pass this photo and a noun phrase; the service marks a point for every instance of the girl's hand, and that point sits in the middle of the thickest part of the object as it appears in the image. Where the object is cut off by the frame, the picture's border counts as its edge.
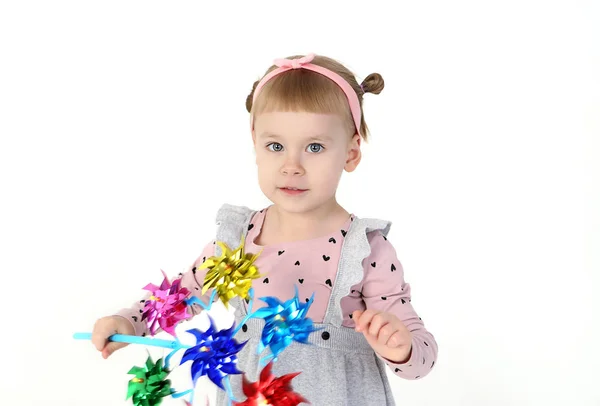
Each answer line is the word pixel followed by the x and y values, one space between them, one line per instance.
pixel 107 326
pixel 385 333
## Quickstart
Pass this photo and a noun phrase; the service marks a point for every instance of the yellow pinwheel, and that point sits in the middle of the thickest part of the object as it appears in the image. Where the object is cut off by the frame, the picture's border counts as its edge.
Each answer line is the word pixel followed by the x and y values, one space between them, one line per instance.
pixel 231 273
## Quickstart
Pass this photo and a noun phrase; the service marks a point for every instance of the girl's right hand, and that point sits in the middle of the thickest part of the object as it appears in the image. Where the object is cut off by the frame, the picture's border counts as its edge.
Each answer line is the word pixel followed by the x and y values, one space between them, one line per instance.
pixel 106 327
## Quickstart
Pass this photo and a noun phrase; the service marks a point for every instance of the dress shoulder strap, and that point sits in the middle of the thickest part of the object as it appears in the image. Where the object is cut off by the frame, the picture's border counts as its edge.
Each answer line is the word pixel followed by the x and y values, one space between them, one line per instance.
pixel 355 248
pixel 232 222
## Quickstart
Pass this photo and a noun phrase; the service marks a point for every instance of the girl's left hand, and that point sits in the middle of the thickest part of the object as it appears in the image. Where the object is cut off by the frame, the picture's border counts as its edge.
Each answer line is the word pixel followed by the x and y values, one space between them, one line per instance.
pixel 385 333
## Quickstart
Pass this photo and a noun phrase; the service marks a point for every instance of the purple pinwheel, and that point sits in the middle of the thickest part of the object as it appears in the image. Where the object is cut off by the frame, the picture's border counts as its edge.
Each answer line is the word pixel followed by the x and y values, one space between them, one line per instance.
pixel 166 306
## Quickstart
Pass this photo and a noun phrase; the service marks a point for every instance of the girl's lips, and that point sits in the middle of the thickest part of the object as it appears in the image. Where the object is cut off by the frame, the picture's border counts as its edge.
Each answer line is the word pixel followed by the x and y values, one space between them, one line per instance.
pixel 293 191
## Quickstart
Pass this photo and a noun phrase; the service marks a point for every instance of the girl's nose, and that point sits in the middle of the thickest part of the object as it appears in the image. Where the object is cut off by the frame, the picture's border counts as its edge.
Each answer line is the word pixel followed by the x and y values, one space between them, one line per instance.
pixel 292 166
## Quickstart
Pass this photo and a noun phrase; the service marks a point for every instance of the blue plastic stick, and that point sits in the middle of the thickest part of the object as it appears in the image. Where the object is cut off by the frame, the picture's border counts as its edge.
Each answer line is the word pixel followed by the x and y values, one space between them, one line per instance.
pixel 229 391
pixel 180 394
pixel 168 357
pixel 194 300
pixel 123 338
pixel 264 360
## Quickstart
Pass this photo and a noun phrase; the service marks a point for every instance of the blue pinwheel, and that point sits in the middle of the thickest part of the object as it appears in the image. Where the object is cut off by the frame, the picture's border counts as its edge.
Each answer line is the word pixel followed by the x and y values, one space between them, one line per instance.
pixel 285 322
pixel 214 355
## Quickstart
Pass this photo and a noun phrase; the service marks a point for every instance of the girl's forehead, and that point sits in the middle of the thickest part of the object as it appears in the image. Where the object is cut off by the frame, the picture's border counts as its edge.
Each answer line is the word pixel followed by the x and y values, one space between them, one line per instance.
pixel 273 122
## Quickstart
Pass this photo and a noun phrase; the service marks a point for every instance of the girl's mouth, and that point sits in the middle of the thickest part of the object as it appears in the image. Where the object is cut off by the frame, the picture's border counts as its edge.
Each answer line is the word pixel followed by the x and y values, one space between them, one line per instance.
pixel 292 191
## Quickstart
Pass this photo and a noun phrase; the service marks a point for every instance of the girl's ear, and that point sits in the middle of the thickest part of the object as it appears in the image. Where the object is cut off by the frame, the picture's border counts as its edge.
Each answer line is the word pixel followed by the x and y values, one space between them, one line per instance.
pixel 354 154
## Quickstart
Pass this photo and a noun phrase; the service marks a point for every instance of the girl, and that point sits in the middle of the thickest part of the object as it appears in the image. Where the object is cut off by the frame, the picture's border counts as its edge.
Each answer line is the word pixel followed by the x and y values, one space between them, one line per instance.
pixel 307 124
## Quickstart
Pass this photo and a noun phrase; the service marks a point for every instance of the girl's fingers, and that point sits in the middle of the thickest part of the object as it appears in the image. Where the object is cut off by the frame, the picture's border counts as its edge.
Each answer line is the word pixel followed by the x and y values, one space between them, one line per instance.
pixel 104 328
pixel 111 347
pixel 385 333
pixel 363 321
pixel 377 322
pixel 396 339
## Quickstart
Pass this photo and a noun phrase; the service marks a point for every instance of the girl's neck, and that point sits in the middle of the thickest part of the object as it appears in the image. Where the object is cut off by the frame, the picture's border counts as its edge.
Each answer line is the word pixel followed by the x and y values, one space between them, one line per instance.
pixel 291 226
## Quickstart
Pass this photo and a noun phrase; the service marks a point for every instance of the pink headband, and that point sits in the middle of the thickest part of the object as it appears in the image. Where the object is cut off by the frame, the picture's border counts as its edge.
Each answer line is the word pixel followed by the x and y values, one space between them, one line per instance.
pixel 287 64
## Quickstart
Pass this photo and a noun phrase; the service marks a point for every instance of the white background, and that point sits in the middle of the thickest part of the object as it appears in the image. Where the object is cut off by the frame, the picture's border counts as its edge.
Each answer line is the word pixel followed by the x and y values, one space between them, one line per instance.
pixel 123 130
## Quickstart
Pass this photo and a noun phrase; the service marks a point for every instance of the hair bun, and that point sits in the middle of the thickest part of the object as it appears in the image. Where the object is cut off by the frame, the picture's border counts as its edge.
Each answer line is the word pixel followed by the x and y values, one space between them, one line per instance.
pixel 373 83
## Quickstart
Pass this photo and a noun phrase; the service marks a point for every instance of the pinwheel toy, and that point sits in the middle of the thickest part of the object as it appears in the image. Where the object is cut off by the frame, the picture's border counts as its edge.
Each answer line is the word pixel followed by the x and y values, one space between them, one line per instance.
pixel 149 386
pixel 270 390
pixel 285 322
pixel 214 355
pixel 166 306
pixel 229 274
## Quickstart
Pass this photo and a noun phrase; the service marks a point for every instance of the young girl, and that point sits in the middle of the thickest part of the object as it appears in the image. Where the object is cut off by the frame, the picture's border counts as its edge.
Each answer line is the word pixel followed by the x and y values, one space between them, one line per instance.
pixel 307 124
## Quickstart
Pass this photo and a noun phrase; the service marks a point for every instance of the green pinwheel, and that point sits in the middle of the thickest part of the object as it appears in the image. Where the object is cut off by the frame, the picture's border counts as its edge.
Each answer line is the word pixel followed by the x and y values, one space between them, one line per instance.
pixel 150 385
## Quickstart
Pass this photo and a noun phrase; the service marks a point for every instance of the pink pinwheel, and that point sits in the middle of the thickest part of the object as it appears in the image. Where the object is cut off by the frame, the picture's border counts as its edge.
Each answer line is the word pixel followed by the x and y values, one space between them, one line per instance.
pixel 166 306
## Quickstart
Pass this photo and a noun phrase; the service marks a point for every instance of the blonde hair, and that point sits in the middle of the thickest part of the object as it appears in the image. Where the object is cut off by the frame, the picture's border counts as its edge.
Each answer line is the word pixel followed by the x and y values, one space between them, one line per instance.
pixel 304 90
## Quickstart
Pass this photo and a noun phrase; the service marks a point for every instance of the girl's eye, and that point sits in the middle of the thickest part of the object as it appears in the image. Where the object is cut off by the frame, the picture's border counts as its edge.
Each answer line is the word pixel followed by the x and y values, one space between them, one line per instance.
pixel 276 147
pixel 315 148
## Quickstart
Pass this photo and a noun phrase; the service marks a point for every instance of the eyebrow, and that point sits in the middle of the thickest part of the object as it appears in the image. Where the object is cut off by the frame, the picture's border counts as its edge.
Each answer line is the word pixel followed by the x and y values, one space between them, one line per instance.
pixel 318 137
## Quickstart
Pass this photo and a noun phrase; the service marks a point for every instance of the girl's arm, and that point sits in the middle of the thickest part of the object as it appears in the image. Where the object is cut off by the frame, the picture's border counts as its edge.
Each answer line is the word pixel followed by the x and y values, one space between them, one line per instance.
pixel 384 289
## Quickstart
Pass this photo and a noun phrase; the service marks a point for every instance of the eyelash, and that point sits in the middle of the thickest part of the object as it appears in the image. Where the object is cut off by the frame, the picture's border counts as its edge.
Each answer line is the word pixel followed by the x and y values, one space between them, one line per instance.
pixel 276 143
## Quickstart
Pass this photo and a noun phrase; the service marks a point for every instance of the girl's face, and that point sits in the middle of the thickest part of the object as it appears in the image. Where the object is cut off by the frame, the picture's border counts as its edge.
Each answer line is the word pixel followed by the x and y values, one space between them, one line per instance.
pixel 302 151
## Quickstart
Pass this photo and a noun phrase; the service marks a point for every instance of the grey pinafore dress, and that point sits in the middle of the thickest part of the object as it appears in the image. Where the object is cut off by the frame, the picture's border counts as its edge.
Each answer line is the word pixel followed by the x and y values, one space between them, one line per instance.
pixel 339 368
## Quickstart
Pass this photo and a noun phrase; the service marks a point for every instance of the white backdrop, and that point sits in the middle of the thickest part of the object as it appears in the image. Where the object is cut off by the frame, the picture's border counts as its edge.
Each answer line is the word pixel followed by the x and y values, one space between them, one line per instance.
pixel 123 129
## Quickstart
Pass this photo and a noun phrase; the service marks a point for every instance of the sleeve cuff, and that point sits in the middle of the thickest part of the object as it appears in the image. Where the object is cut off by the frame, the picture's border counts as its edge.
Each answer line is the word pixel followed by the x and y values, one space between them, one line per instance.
pixel 410 369
pixel 135 318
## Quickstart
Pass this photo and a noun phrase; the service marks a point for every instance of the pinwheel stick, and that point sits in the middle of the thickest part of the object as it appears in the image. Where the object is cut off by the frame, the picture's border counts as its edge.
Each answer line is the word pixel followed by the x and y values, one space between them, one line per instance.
pixel 229 391
pixel 129 339
pixel 265 360
pixel 194 300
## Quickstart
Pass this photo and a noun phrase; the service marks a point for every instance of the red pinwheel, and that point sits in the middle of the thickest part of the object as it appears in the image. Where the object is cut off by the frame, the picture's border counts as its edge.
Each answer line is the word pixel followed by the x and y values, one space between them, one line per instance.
pixel 271 390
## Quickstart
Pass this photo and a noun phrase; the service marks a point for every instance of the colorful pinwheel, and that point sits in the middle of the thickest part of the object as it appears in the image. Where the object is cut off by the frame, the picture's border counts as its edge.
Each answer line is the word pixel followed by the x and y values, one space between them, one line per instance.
pixel 271 390
pixel 284 322
pixel 230 274
pixel 150 385
pixel 214 354
pixel 166 306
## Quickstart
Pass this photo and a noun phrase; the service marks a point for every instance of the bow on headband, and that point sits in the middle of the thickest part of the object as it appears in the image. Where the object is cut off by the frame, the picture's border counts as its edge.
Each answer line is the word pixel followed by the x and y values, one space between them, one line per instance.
pixel 294 63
